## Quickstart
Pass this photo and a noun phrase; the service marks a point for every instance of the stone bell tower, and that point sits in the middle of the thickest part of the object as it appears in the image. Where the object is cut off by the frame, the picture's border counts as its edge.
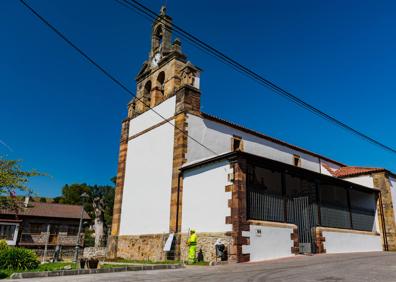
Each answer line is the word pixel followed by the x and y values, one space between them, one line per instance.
pixel 148 196
pixel 162 73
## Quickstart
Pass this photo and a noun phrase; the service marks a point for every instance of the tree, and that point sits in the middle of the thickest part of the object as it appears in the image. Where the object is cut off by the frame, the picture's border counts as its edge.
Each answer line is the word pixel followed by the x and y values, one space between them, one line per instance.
pixel 43 200
pixel 107 194
pixel 114 180
pixel 99 206
pixel 57 200
pixel 13 180
pixel 71 194
pixel 102 203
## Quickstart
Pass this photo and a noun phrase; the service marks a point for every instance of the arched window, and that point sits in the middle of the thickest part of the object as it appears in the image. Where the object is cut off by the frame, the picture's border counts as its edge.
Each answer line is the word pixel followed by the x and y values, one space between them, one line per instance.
pixel 158 35
pixel 147 92
pixel 161 81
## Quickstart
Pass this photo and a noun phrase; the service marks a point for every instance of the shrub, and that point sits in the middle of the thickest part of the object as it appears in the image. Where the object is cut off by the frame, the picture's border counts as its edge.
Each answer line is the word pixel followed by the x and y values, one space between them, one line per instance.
pixel 3 274
pixel 3 245
pixel 18 259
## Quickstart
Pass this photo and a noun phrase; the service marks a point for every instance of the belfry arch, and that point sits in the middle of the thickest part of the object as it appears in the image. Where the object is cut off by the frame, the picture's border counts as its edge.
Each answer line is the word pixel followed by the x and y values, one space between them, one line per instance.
pixel 147 94
pixel 160 83
pixel 157 38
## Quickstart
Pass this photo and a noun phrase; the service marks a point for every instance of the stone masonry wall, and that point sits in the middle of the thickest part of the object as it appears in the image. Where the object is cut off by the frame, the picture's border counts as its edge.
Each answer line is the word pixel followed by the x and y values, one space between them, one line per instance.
pixel 142 247
pixel 41 239
pixel 112 247
pixel 94 252
pixel 187 100
pixel 386 211
pixel 120 178
pixel 319 241
pixel 238 218
pixel 66 252
pixel 206 242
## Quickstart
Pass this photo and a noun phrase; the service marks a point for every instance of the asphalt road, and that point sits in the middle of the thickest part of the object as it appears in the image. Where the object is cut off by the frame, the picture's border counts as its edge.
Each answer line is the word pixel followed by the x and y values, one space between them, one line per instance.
pixel 357 267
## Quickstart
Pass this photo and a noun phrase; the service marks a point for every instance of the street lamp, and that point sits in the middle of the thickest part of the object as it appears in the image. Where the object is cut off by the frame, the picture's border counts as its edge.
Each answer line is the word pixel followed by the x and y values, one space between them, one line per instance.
pixel 83 196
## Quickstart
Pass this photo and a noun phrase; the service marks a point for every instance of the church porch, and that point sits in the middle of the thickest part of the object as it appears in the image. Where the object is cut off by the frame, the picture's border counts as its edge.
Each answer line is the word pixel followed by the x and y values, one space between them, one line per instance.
pixel 278 210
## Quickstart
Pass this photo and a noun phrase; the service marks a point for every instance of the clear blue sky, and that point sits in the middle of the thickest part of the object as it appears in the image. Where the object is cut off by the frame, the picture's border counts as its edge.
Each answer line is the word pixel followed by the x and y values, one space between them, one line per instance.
pixel 61 116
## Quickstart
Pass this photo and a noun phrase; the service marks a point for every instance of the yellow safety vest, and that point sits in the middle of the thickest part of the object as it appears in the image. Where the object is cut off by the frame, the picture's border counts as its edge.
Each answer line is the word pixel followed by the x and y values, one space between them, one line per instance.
pixel 192 241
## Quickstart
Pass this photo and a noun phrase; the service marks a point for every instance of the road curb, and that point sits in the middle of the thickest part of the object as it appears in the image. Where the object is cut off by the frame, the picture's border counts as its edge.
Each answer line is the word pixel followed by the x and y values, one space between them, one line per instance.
pixel 24 275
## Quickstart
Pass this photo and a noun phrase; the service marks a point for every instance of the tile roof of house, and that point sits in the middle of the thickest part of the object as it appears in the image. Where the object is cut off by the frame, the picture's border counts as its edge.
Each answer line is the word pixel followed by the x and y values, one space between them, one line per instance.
pixel 48 210
pixel 349 171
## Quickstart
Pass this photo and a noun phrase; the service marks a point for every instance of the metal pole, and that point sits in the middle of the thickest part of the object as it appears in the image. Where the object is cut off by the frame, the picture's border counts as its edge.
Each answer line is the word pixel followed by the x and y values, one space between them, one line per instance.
pixel 46 243
pixel 78 235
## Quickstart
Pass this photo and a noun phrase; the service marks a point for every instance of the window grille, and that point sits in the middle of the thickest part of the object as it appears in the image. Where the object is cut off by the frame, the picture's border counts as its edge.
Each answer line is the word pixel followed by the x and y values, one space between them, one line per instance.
pixel 7 232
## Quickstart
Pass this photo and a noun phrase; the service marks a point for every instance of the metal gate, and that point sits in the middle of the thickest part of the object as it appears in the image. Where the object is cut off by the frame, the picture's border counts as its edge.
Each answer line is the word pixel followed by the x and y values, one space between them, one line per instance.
pixel 301 213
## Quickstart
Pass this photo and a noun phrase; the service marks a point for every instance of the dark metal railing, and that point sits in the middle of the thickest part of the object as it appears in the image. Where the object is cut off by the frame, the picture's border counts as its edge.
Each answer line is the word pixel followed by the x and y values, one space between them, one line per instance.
pixel 265 206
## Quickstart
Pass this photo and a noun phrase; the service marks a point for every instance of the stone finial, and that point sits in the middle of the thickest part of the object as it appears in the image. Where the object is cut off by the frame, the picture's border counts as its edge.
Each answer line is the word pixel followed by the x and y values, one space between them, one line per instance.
pixel 190 75
pixel 177 45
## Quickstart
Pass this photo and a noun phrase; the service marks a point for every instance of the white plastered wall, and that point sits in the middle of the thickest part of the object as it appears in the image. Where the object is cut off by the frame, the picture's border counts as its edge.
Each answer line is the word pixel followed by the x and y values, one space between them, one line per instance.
pixel 364 180
pixel 205 202
pixel 342 242
pixel 332 166
pixel 148 174
pixel 150 118
pixel 218 137
pixel 268 242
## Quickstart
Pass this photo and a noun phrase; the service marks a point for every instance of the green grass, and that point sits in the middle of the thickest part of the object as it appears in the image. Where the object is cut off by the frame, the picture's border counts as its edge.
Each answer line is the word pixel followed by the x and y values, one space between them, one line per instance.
pixel 60 266
pixel 42 267
pixel 200 263
pixel 143 261
pixel 55 266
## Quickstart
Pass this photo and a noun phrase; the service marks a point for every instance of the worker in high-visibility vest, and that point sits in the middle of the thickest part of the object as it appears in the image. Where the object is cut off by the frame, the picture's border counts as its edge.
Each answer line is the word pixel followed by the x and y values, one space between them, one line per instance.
pixel 192 246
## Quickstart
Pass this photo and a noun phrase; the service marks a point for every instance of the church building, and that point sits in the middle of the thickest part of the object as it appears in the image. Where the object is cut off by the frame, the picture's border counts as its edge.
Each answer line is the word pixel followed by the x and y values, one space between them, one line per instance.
pixel 180 169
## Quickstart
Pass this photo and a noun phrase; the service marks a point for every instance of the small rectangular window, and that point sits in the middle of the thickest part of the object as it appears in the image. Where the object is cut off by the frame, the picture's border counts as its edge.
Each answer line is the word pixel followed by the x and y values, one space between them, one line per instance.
pixel 7 232
pixel 296 160
pixel 236 143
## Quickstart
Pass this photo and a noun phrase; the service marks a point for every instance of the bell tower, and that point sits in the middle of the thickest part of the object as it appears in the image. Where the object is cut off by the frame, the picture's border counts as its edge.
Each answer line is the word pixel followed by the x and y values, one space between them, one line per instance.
pixel 148 196
pixel 165 70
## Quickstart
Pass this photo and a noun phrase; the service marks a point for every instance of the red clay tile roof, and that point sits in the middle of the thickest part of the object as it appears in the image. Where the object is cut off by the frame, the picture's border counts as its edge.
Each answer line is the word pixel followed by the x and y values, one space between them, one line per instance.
pixel 348 171
pixel 48 210
pixel 356 170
